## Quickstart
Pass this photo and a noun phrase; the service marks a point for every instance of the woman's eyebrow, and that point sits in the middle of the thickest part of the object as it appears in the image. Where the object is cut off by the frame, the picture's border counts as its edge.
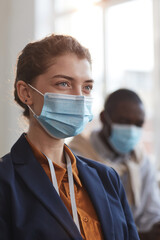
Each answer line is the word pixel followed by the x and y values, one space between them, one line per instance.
pixel 63 76
pixel 90 81
pixel 70 78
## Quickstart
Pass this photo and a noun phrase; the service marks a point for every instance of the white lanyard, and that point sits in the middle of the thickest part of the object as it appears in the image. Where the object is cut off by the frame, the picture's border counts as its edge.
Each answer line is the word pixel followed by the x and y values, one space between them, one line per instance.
pixel 71 186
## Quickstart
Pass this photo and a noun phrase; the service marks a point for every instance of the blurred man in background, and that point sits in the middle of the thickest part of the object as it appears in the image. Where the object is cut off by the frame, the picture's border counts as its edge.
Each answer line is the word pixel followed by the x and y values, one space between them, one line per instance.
pixel 115 144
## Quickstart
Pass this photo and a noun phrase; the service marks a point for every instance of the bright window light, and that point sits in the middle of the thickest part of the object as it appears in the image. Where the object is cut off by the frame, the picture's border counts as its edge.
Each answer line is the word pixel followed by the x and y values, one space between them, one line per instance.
pixel 63 5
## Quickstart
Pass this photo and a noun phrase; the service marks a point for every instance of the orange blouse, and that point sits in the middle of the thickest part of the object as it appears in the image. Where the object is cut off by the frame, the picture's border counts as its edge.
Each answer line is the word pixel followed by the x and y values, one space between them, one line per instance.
pixel 89 223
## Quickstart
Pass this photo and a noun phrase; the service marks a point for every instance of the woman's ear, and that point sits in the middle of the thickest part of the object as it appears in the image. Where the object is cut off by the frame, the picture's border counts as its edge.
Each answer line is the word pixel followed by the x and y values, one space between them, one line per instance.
pixel 24 92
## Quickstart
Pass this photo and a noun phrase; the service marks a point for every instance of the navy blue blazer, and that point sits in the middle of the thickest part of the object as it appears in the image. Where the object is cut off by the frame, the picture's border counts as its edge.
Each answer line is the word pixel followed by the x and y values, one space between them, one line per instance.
pixel 31 209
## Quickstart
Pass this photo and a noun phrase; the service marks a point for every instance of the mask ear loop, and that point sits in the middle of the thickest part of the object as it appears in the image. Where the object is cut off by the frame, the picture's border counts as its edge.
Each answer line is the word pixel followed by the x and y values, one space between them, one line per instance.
pixel 32 111
pixel 39 93
pixel 35 89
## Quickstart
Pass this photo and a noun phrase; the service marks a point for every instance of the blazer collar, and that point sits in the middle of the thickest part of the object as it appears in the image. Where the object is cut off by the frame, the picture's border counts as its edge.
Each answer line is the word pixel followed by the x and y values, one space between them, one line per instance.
pixel 37 181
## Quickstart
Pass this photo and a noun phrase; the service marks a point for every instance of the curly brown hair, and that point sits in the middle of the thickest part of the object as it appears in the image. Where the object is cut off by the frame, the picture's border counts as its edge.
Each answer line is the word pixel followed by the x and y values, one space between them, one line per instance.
pixel 38 56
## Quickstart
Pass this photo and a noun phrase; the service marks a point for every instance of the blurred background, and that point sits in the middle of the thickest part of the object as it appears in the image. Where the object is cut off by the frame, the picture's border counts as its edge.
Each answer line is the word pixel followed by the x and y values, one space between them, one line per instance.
pixel 123 37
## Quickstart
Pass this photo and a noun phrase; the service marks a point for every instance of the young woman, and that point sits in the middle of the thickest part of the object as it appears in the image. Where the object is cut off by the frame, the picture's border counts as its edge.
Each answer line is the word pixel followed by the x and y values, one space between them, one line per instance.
pixel 46 192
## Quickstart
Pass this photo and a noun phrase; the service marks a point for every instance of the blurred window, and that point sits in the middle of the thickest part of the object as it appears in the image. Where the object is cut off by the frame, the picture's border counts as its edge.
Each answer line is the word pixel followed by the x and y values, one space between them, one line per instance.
pixel 130 55
pixel 119 35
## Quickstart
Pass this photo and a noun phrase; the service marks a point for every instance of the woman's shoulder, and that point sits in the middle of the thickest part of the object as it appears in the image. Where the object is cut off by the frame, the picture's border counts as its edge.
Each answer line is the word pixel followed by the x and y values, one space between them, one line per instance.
pixel 106 173
pixel 6 167
pixel 5 160
pixel 95 164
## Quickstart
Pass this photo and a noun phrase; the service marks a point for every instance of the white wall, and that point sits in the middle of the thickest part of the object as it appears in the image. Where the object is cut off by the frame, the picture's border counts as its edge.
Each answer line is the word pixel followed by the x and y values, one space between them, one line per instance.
pixel 16 30
pixel 156 95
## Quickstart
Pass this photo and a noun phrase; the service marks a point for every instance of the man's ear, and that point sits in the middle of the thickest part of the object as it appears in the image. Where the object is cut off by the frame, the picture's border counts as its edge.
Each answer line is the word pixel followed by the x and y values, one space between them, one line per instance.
pixel 106 129
pixel 24 92
pixel 105 119
pixel 102 117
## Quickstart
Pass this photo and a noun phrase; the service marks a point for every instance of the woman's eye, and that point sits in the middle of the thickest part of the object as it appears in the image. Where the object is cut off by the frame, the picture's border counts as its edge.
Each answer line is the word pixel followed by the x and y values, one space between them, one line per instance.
pixel 63 84
pixel 88 88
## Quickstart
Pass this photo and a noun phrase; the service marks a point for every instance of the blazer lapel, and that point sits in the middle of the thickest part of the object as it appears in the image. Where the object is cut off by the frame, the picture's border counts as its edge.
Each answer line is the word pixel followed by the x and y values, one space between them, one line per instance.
pixel 37 181
pixel 94 186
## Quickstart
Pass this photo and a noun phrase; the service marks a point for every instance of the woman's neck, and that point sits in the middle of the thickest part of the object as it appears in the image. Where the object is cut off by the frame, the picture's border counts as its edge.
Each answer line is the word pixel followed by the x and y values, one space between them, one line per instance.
pixel 53 148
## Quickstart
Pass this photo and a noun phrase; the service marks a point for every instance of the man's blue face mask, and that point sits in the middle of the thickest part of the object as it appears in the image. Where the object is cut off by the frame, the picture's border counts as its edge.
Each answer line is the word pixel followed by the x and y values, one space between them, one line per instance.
pixel 124 137
pixel 64 115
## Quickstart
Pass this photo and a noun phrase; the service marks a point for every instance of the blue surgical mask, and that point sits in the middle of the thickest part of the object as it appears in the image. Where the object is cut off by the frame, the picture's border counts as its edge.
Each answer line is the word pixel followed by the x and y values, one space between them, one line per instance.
pixel 124 137
pixel 64 115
